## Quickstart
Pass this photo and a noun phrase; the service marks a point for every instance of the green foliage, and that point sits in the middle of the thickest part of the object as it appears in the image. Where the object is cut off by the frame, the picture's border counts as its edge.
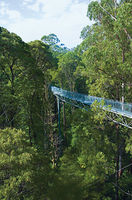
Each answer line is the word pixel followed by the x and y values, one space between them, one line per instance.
pixel 24 171
pixel 87 160
pixel 15 60
pixel 104 63
pixel 129 144
pixel 107 51
pixel 85 32
pixel 56 47
pixel 37 164
pixel 51 39
pixel 67 75
pixel 39 104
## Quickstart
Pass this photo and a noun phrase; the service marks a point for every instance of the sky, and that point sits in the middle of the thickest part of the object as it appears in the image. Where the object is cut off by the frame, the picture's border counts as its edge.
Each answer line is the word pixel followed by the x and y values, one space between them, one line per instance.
pixel 31 19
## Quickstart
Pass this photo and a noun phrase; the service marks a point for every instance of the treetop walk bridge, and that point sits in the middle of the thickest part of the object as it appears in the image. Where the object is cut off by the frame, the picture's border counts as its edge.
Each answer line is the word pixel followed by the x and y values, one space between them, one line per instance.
pixel 116 109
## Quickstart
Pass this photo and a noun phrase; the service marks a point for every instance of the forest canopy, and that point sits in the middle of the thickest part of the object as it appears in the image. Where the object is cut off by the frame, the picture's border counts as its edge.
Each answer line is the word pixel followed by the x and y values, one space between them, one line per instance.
pixel 91 158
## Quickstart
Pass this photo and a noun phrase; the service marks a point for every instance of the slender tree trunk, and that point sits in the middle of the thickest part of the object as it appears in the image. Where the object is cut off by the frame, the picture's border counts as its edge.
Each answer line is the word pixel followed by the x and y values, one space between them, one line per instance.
pixel 117 164
pixel 30 137
pixel 117 153
pixel 31 118
pixel 64 125
pixel 12 92
pixel 123 85
pixel 64 117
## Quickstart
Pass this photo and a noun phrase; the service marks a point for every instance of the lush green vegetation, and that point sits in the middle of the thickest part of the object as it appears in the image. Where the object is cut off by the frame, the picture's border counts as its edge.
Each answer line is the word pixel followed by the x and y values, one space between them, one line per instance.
pixel 92 158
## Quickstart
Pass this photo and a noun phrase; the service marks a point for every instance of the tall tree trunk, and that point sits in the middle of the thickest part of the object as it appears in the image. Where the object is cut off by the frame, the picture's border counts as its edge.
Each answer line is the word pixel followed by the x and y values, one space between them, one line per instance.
pixel 64 117
pixel 64 125
pixel 117 164
pixel 13 112
pixel 30 137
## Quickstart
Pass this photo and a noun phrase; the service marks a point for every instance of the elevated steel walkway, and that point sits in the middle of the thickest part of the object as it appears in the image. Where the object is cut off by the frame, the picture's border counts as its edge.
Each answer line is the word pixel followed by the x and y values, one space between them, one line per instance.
pixel 116 107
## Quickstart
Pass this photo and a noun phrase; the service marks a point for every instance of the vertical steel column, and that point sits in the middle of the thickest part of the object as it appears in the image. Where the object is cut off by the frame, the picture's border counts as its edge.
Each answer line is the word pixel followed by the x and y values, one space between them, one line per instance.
pixel 58 106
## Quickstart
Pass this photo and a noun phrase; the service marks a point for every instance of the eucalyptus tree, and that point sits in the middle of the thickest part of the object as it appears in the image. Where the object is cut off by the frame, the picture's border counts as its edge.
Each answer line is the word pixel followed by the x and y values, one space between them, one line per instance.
pixel 15 59
pixel 111 54
pixel 66 70
pixel 37 96
pixel 97 151
pixel 106 52
pixel 56 47
pixel 25 172
pixel 41 105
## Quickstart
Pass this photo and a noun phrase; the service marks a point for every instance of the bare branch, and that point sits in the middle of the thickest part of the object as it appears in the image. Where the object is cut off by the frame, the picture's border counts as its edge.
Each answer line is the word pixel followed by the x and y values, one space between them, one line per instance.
pixel 114 18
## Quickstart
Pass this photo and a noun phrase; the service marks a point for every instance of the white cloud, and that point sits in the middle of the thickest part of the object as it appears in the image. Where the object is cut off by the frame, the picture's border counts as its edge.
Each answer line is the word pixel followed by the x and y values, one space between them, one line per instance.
pixel 35 7
pixel 65 18
pixel 25 2
pixel 3 8
pixel 3 22
pixel 8 13
pixel 13 14
pixel 56 8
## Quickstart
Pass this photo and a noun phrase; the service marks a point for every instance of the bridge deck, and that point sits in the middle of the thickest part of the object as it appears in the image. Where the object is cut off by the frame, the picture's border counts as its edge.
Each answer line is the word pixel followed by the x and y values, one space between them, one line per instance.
pixel 124 109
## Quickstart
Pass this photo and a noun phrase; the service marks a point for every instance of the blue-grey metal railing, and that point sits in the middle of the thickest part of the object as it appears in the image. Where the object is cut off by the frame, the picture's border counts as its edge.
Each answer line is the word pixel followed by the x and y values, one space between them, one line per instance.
pixel 124 109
